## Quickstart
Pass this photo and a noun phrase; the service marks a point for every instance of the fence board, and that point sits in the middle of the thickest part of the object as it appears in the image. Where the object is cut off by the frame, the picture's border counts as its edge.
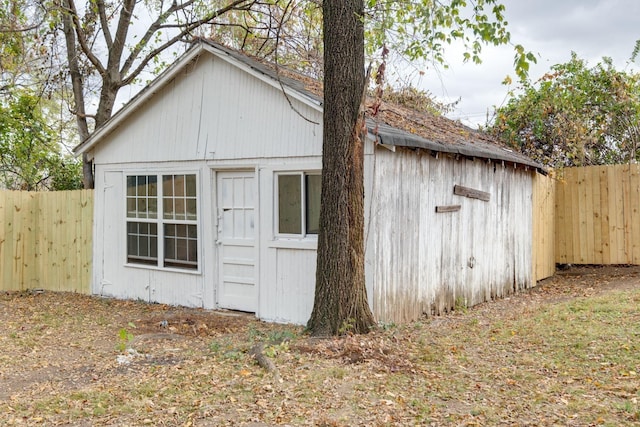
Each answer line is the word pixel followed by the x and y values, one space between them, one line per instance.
pixel 634 178
pixel 45 240
pixel 605 235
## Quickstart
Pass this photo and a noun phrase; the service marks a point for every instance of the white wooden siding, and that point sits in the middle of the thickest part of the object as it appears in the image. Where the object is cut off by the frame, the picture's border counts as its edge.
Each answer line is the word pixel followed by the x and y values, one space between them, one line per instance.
pixel 213 110
pixel 423 262
pixel 215 117
pixel 288 265
pixel 112 277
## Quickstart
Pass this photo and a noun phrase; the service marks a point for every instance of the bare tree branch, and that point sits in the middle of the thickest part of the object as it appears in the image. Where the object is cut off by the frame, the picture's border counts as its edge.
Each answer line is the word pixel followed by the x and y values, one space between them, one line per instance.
pixel 81 37
pixel 187 29
pixel 104 23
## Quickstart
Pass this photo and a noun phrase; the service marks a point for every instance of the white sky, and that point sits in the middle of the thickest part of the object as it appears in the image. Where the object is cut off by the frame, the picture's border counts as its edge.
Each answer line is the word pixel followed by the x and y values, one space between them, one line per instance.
pixel 549 28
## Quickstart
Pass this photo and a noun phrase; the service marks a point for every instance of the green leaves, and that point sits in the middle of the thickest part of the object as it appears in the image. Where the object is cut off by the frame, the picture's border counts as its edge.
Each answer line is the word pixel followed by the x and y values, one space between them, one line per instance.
pixel 30 157
pixel 575 115
pixel 422 29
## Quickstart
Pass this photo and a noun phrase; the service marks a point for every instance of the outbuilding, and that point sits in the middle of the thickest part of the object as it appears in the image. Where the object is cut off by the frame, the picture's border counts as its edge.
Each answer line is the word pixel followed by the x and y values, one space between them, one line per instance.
pixel 207 193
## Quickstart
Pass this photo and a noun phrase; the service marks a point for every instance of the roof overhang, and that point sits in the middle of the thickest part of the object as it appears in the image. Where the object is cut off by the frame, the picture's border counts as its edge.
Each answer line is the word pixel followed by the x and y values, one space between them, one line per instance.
pixel 390 136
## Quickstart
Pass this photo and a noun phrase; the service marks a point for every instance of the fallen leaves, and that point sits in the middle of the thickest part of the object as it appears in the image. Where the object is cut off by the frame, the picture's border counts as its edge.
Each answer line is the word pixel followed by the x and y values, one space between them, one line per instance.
pixel 565 353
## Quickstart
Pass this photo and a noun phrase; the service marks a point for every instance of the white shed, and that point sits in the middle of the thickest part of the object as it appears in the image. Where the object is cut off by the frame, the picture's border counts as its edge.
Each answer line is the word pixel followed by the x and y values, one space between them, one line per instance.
pixel 207 195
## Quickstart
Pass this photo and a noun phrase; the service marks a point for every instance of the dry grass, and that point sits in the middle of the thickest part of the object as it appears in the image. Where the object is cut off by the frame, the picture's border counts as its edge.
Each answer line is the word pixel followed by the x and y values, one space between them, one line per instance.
pixel 567 353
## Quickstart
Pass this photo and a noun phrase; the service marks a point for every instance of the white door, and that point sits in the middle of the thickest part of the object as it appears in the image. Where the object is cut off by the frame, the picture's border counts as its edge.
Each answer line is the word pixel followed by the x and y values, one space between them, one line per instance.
pixel 236 241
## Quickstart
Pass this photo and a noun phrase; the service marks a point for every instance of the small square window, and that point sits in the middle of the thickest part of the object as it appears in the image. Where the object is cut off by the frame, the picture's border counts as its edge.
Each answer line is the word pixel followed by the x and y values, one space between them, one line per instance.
pixel 298 203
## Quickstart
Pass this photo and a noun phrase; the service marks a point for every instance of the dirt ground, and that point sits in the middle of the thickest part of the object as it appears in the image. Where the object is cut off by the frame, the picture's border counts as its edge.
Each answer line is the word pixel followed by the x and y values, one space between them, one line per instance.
pixel 57 345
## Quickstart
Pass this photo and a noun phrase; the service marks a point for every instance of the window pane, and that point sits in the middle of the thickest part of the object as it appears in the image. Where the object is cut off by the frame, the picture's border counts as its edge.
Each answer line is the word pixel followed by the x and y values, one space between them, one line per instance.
pixel 179 209
pixel 142 208
pixel 191 185
pixel 289 204
pixel 141 196
pixel 153 208
pixel 178 185
pixel 167 206
pixel 142 243
pixel 191 209
pixel 180 243
pixel 312 199
pixel 153 185
pixel 169 248
pixel 181 250
pixel 142 186
pixel 131 207
pixel 193 250
pixel 167 185
pixel 143 246
pixel 153 247
pixel 131 186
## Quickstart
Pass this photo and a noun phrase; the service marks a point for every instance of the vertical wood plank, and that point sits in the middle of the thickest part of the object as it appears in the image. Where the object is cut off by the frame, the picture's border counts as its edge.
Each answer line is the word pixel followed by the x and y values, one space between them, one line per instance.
pixel 17 266
pixel 30 256
pixel 634 183
pixel 627 214
pixel 605 237
pixel 589 210
pixel 560 227
pixel 616 216
pixel 572 218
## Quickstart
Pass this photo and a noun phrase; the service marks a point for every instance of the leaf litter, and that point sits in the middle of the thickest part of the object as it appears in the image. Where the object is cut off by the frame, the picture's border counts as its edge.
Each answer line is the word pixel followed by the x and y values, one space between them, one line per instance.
pixel 565 353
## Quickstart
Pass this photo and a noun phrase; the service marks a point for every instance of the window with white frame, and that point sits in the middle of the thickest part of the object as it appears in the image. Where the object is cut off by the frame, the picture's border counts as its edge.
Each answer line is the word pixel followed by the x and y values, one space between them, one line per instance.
pixel 169 239
pixel 298 203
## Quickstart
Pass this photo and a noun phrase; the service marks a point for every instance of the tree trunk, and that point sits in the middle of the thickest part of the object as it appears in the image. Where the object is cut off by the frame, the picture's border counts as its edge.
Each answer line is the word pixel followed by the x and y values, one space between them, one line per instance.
pixel 78 92
pixel 340 304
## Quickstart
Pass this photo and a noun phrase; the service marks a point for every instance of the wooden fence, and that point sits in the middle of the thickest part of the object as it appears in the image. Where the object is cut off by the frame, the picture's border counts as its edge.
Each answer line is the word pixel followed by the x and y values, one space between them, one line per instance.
pixel 598 215
pixel 46 240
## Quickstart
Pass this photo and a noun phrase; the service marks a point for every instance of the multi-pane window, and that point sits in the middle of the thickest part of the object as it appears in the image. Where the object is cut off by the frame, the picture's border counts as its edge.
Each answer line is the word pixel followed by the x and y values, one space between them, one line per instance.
pixel 298 203
pixel 170 239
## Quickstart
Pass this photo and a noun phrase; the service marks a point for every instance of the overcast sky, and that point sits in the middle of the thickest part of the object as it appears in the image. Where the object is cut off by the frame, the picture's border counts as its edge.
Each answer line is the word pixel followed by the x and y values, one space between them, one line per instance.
pixel 549 28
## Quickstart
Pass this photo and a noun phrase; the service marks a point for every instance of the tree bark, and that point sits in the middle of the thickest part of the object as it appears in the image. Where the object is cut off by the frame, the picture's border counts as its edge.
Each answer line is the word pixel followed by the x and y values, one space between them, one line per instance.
pixel 78 91
pixel 340 304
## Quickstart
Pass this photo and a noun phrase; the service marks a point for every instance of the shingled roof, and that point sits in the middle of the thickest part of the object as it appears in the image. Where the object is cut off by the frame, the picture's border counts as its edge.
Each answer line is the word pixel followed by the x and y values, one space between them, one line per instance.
pixel 399 126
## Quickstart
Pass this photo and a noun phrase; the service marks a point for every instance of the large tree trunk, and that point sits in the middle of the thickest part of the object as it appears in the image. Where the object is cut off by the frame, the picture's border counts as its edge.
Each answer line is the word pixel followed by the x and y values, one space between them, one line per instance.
pixel 340 304
pixel 78 92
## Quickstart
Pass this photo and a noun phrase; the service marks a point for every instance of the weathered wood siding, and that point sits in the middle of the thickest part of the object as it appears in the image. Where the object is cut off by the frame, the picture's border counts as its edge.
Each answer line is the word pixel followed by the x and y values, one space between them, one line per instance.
pixel 598 215
pixel 544 226
pixel 45 240
pixel 423 262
